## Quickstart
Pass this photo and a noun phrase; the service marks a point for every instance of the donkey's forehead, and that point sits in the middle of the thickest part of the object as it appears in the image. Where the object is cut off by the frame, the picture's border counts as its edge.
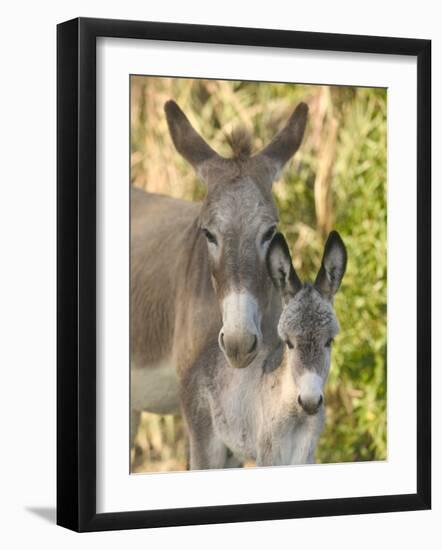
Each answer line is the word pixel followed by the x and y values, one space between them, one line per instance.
pixel 237 203
pixel 308 313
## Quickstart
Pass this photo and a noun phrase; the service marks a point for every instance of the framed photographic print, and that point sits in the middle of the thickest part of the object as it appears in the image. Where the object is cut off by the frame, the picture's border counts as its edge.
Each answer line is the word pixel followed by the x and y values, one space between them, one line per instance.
pixel 243 274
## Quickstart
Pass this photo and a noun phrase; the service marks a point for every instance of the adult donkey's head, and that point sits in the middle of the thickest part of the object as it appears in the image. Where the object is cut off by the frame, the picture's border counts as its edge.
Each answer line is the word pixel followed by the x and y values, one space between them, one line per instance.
pixel 238 220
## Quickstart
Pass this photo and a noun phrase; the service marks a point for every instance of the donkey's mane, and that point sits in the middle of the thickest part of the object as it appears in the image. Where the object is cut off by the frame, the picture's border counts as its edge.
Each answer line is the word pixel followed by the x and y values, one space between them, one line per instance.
pixel 240 141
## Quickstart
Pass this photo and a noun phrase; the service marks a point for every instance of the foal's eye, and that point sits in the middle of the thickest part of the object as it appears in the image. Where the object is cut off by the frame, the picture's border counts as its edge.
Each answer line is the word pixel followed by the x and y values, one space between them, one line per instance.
pixel 268 234
pixel 209 236
pixel 289 344
pixel 329 343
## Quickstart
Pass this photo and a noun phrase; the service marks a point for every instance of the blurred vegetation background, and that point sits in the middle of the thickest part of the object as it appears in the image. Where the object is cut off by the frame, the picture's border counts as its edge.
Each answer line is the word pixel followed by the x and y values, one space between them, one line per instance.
pixel 336 180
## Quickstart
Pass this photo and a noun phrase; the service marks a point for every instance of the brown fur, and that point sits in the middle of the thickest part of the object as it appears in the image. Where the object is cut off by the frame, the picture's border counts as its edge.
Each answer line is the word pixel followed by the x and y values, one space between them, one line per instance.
pixel 164 284
pixel 240 142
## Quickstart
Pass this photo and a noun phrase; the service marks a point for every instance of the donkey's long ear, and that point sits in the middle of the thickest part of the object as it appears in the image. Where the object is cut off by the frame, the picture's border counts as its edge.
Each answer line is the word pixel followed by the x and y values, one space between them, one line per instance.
pixel 334 262
pixel 287 141
pixel 280 268
pixel 186 140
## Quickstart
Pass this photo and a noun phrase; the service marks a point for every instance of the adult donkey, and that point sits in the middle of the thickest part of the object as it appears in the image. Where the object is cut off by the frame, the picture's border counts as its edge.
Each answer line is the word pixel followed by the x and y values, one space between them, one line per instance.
pixel 198 272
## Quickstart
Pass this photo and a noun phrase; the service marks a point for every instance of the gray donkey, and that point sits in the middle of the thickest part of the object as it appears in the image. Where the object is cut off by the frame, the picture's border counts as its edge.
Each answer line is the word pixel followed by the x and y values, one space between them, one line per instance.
pixel 272 413
pixel 198 272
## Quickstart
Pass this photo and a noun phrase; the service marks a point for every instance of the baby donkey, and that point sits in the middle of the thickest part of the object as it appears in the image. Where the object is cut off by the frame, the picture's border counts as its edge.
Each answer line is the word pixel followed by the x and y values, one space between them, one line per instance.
pixel 271 412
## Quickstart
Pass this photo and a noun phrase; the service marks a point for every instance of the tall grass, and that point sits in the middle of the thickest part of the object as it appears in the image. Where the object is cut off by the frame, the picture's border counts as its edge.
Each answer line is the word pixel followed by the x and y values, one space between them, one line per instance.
pixel 336 180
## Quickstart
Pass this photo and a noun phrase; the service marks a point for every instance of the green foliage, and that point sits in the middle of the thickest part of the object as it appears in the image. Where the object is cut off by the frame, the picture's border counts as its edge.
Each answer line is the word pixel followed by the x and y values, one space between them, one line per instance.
pixel 343 156
pixel 358 431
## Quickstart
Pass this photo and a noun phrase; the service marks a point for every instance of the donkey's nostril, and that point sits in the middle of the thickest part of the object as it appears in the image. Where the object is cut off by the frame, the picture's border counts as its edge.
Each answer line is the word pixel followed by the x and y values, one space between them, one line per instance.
pixel 254 345
pixel 308 406
pixel 239 349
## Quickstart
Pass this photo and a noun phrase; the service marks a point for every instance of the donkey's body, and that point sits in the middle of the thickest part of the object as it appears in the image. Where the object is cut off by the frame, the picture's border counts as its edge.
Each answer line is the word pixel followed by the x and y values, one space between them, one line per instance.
pixel 198 273
pixel 165 297
pixel 272 413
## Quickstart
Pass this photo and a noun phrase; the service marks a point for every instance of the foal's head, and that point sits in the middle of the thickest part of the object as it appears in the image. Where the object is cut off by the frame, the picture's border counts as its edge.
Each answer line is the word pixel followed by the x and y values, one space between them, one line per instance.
pixel 237 221
pixel 308 322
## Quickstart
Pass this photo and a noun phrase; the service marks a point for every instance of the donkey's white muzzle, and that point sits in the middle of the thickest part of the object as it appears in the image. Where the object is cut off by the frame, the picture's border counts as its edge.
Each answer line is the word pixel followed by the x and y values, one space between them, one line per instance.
pixel 240 336
pixel 310 396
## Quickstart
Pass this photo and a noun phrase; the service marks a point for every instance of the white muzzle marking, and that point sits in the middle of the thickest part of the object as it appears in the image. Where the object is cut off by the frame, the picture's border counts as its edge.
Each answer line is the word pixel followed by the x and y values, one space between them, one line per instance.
pixel 240 313
pixel 240 334
pixel 310 387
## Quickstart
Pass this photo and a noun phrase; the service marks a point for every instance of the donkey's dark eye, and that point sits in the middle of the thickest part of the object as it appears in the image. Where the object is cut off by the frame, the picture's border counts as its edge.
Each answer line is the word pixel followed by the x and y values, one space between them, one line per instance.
pixel 289 344
pixel 209 236
pixel 329 343
pixel 268 234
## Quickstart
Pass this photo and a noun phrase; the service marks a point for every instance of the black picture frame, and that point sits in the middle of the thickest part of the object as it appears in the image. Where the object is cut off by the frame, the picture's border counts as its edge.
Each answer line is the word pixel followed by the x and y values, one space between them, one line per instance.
pixel 76 273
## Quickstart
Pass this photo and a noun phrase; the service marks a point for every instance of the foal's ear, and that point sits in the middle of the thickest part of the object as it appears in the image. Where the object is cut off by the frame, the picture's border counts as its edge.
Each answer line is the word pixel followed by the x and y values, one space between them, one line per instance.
pixel 334 262
pixel 185 138
pixel 285 144
pixel 280 268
